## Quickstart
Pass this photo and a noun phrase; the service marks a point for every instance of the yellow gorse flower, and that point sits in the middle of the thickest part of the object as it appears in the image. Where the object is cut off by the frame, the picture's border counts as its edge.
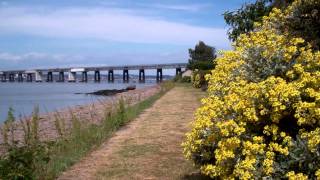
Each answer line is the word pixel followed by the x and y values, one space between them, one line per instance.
pixel 261 96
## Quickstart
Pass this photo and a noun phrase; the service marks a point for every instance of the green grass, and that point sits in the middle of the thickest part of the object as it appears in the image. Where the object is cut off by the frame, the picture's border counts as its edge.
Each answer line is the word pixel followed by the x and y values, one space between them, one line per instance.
pixel 65 152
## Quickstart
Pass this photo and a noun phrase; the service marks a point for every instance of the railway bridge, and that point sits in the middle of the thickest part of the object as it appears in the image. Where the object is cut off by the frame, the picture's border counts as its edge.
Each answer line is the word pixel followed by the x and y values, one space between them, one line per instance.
pixel 41 75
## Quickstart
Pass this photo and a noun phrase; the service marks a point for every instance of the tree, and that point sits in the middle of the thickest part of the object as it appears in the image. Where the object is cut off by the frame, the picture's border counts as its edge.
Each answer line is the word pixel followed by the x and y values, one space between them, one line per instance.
pixel 201 57
pixel 242 20
pixel 304 22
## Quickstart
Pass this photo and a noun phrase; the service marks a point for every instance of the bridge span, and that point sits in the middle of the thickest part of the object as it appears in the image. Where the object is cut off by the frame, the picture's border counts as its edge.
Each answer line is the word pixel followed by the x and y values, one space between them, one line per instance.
pixel 40 75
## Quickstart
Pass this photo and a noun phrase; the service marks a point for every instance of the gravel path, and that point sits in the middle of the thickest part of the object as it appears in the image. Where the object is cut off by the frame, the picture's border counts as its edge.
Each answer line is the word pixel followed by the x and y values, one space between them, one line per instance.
pixel 147 148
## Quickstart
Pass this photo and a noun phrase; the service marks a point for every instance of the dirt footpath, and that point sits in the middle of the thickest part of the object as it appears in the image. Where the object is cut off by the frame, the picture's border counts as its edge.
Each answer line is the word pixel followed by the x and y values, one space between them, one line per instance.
pixel 147 148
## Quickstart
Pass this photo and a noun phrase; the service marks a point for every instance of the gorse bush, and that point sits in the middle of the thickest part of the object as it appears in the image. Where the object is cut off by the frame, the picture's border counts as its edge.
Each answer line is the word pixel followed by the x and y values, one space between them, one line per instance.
pixel 198 78
pixel 304 21
pixel 195 79
pixel 262 116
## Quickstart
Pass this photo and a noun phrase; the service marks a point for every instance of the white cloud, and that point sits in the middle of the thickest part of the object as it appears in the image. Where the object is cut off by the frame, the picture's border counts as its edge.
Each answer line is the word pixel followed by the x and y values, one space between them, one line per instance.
pixel 179 7
pixel 38 59
pixel 107 24
pixel 18 58
pixel 195 7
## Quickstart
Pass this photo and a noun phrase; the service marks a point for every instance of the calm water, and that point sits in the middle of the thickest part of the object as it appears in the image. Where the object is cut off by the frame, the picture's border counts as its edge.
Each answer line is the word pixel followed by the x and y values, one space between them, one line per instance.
pixel 23 97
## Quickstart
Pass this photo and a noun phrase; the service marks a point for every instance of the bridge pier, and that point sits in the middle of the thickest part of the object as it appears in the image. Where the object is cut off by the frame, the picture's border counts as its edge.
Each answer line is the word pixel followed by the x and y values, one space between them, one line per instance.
pixel 142 76
pixel 38 76
pixel 178 71
pixel 4 77
pixel 72 77
pixel 20 77
pixel 49 77
pixel 125 75
pixel 97 77
pixel 11 77
pixel 110 76
pixel 159 75
pixel 61 76
pixel 29 77
pixel 84 76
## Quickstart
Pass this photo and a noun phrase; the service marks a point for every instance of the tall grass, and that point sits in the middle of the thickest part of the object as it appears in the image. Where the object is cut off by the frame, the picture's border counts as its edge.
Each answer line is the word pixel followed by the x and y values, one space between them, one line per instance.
pixel 57 156
pixel 8 128
pixel 22 160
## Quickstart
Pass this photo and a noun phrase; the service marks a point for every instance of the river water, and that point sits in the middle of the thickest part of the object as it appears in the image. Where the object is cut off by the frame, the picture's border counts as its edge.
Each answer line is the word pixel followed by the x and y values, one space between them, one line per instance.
pixel 23 97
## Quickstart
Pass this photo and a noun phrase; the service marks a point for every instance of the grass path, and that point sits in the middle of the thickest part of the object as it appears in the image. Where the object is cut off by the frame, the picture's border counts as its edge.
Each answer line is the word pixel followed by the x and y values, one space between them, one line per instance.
pixel 147 148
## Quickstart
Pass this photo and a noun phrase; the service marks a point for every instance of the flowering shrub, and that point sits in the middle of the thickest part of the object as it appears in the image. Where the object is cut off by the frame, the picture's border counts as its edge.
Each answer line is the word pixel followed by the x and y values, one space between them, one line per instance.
pixel 198 78
pixel 195 79
pixel 262 115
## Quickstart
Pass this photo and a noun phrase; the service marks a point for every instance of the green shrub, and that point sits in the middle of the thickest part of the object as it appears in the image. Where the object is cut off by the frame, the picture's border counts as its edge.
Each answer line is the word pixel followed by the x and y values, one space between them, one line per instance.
pixel 186 79
pixel 23 161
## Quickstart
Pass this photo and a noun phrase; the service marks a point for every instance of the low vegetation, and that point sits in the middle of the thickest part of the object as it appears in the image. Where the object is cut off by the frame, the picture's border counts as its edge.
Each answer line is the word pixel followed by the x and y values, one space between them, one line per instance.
pixel 33 159
pixel 180 79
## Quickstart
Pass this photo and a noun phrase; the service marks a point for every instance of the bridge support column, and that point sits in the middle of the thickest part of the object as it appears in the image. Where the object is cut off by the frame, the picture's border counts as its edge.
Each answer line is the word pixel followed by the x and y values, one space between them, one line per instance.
pixel 72 77
pixel 3 77
pixel 84 76
pixel 29 77
pixel 159 75
pixel 178 71
pixel 11 77
pixel 142 77
pixel 38 77
pixel 110 76
pixel 97 77
pixel 61 76
pixel 125 75
pixel 20 78
pixel 49 77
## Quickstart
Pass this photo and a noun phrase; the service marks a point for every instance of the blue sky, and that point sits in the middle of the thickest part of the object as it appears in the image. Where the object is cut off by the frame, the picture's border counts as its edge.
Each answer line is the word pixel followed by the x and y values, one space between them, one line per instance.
pixel 46 33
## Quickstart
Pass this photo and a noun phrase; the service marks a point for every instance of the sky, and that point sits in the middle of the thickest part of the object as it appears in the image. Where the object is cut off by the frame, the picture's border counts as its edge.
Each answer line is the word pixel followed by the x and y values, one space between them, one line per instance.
pixel 79 33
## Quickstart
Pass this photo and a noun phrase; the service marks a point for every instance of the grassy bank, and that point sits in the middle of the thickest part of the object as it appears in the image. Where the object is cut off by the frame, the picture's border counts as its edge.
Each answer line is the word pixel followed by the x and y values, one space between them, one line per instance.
pixel 48 160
